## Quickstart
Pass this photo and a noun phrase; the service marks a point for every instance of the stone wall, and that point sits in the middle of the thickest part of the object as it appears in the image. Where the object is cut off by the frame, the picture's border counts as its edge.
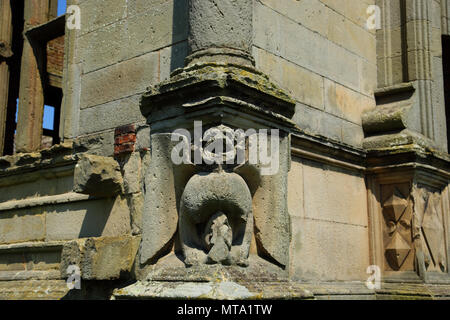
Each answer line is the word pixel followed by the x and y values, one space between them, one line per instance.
pixel 319 51
pixel 123 47
pixel 83 202
pixel 330 237
pixel 322 53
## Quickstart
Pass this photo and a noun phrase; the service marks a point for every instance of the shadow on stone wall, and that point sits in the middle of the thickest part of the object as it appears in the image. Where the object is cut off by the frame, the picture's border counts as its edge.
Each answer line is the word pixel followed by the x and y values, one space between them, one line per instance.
pixel 180 26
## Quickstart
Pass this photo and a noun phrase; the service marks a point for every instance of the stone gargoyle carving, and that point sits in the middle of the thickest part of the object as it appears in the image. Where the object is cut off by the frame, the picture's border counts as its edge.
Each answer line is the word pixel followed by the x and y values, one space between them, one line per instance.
pixel 216 220
pixel 211 211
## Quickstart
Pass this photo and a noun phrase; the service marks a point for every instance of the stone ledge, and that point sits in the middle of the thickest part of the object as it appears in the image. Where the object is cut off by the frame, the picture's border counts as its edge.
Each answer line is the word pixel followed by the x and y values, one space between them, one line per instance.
pixel 30 261
pixel 31 246
pixel 19 163
pixel 30 275
pixel 205 80
pixel 396 88
pixel 33 290
pixel 105 258
pixel 405 139
pixel 279 291
pixel 226 290
pixel 42 201
pixel 172 269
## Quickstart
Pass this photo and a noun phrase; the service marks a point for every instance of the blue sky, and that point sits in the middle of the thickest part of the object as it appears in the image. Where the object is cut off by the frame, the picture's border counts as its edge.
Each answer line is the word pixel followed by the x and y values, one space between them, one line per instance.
pixel 61 7
pixel 49 114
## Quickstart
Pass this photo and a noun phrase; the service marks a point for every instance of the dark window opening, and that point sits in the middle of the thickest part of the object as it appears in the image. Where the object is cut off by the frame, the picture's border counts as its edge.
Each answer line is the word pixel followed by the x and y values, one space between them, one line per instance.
pixel 446 69
pixel 17 10
pixel 47 42
pixel 62 6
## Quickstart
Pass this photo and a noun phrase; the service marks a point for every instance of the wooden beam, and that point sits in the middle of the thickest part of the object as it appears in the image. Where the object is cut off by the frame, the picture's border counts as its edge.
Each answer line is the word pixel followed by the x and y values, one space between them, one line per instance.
pixel 53 9
pixel 5 53
pixel 31 94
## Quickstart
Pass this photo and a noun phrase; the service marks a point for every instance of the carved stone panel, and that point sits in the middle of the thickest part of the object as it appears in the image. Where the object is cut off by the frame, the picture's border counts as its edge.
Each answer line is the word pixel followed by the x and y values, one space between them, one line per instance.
pixel 409 225
pixel 208 211
pixel 429 208
pixel 397 234
pixel 216 219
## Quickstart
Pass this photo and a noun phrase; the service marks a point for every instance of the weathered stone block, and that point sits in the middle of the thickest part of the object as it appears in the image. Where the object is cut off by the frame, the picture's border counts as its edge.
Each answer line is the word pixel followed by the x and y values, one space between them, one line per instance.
pixel 100 48
pixel 160 224
pixel 108 258
pixel 306 86
pixel 98 176
pixel 33 290
pixel 102 258
pixel 296 189
pixel 132 175
pixel 314 240
pixel 270 205
pixel 172 58
pixel 313 13
pixel 368 77
pixel 354 11
pixel 143 138
pixel 140 6
pixel 220 24
pixel 346 103
pixel 101 14
pixel 318 122
pixel 111 115
pixel 31 185
pixel 356 39
pixel 100 144
pixel 304 47
pixel 30 261
pixel 330 203
pixel 70 256
pixel 136 204
pixel 121 80
pixel 95 218
pixel 22 225
pixel 156 28
pixel 352 134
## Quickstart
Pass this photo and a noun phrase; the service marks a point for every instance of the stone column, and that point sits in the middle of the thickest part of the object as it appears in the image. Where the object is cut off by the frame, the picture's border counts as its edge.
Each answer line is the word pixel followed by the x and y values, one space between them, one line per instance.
pixel 410 99
pixel 407 172
pixel 31 95
pixel 218 93
pixel 419 63
pixel 53 9
pixel 5 53
pixel 220 31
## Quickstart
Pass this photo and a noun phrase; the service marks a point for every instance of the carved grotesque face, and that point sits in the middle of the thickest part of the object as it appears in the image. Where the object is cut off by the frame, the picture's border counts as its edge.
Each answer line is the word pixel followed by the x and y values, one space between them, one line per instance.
pixel 218 238
pixel 216 219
